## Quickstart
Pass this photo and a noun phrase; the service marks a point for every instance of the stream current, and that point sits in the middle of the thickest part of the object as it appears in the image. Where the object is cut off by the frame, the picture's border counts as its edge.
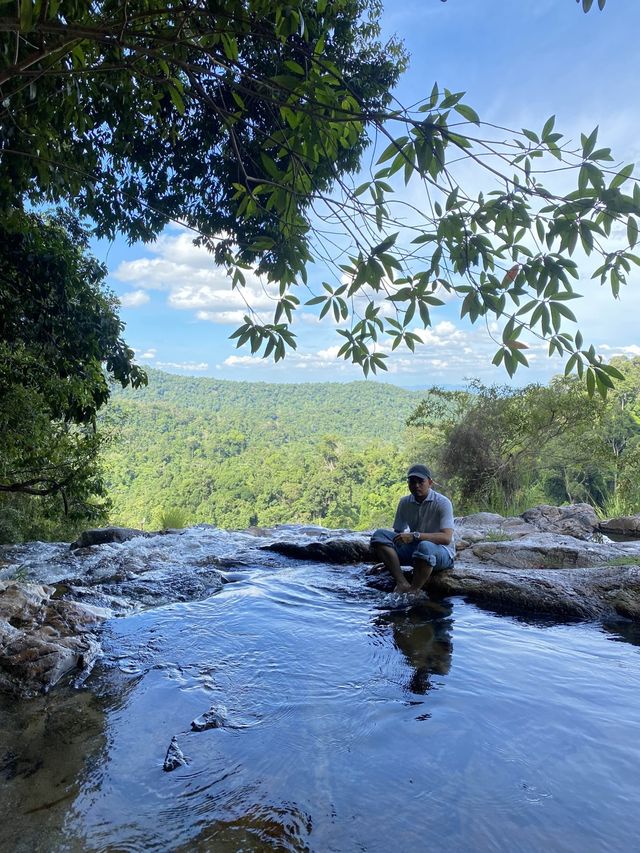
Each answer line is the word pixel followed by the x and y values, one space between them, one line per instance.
pixel 347 727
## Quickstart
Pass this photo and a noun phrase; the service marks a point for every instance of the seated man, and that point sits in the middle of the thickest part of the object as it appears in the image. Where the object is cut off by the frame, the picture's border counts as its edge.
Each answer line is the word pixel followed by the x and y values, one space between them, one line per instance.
pixel 422 534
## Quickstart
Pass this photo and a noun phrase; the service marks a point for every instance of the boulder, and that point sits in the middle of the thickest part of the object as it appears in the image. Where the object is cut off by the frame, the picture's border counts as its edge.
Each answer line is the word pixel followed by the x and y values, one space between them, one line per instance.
pixel 624 525
pixel 104 535
pixel 354 549
pixel 42 639
pixel 489 526
pixel 578 520
pixel 540 551
pixel 582 593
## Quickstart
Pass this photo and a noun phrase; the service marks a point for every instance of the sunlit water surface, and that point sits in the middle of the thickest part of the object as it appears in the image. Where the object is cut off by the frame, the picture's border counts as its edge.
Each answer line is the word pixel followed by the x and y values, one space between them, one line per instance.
pixel 349 728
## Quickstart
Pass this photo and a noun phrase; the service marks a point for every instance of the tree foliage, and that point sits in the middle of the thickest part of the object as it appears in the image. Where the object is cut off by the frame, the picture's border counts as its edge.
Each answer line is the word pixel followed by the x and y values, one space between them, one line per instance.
pixel 235 453
pixel 506 449
pixel 60 344
pixel 244 119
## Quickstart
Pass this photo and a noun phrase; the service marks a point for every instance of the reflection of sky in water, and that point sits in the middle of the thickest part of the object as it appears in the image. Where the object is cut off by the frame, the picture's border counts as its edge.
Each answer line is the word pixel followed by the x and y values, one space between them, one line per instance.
pixel 351 728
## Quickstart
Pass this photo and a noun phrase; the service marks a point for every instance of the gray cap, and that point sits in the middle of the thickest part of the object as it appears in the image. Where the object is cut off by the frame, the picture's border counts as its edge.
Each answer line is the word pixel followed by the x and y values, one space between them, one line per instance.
pixel 419 471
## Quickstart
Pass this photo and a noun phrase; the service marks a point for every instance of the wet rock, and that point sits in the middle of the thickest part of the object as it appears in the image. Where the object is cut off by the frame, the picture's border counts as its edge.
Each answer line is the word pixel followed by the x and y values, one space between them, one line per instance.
pixel 578 520
pixel 348 550
pixel 580 593
pixel 214 718
pixel 104 535
pixel 624 525
pixel 174 757
pixel 42 639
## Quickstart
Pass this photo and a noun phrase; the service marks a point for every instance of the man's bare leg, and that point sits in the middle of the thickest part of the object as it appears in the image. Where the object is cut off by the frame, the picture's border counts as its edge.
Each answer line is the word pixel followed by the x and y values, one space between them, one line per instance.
pixel 390 559
pixel 421 575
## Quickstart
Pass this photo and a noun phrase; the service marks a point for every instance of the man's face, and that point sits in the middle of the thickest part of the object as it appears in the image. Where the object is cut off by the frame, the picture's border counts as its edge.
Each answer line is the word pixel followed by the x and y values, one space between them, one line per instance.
pixel 419 487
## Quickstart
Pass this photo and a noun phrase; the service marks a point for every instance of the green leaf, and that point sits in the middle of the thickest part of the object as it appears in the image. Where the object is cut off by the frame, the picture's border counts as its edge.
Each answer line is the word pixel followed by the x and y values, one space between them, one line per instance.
pixel 548 127
pixel 589 142
pixel 632 231
pixel 177 99
pixel 387 243
pixel 392 149
pixel 468 113
pixel 623 175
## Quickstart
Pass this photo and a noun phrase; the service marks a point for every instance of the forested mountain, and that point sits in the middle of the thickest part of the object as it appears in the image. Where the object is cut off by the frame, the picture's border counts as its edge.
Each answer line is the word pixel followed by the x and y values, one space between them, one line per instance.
pixel 186 450
pixel 241 453
pixel 357 410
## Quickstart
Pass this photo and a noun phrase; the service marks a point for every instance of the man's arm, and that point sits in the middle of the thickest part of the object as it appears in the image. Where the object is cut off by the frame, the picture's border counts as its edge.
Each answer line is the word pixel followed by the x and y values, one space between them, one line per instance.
pixel 399 522
pixel 442 537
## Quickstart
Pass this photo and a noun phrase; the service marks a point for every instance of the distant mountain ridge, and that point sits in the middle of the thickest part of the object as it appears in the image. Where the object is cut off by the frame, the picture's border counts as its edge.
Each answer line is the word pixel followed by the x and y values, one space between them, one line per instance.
pixel 357 409
pixel 234 454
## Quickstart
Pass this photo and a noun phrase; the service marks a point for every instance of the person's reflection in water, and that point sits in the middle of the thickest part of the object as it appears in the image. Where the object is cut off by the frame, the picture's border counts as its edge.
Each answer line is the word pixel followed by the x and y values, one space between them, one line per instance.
pixel 423 635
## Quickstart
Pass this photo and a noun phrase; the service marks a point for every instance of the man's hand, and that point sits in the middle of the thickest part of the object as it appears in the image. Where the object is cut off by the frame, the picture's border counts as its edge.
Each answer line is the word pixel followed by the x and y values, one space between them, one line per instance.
pixel 405 538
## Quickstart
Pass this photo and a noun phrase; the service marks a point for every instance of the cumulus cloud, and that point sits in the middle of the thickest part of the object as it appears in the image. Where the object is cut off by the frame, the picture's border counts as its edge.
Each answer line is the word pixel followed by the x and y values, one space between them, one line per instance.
pixel 134 299
pixel 184 365
pixel 146 353
pixel 192 281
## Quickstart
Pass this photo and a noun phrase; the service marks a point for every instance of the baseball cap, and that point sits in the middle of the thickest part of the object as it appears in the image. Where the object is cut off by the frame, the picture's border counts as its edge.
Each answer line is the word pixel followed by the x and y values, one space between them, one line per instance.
pixel 419 471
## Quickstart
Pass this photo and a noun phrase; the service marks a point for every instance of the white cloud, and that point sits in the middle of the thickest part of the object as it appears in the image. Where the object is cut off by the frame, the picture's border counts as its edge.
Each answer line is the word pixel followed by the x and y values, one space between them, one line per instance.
pixel 631 351
pixel 148 354
pixel 134 299
pixel 185 365
pixel 192 281
pixel 247 361
pixel 234 317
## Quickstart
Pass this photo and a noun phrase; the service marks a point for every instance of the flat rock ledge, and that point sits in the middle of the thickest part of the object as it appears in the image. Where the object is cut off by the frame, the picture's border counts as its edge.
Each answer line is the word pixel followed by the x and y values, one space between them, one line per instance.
pixel 525 563
pixel 42 639
pixel 624 525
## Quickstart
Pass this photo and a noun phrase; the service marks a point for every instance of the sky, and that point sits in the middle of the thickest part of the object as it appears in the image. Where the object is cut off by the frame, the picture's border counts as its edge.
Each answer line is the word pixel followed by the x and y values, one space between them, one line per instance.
pixel 519 63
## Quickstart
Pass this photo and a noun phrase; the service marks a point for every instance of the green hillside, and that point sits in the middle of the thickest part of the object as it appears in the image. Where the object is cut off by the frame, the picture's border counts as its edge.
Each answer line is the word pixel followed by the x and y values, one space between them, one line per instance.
pixel 241 453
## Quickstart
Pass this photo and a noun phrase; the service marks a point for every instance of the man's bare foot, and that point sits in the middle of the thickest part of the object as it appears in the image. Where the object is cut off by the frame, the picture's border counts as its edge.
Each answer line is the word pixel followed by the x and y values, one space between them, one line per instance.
pixel 403 587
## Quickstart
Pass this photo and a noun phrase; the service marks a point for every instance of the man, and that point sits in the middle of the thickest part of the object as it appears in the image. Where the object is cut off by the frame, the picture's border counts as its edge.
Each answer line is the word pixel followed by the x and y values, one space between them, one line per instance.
pixel 422 534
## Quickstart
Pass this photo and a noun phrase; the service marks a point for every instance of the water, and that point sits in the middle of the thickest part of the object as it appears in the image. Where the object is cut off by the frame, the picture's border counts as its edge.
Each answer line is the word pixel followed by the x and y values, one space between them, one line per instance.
pixel 349 728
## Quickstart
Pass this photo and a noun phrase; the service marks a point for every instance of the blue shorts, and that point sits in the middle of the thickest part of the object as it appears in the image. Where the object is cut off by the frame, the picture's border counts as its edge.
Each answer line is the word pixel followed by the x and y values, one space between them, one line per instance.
pixel 428 552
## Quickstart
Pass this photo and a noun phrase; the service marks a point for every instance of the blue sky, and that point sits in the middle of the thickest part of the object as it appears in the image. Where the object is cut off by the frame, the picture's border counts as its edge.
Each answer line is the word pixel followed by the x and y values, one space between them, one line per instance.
pixel 519 63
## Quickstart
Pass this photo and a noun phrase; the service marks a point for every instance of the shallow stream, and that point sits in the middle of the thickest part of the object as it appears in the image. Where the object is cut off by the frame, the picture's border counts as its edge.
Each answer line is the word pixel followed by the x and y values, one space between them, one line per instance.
pixel 348 727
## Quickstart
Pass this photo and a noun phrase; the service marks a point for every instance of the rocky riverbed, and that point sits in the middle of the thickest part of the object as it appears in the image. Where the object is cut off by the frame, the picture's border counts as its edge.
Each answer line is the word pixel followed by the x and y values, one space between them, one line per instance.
pixel 54 597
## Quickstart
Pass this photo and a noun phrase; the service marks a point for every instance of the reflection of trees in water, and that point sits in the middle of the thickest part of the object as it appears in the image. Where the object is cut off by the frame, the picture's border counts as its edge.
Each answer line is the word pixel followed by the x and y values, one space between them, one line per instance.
pixel 423 635
pixel 628 632
pixel 47 745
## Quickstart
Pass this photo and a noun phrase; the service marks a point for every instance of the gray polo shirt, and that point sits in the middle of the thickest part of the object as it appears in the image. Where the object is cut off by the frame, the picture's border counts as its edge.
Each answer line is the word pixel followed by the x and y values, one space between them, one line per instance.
pixel 434 514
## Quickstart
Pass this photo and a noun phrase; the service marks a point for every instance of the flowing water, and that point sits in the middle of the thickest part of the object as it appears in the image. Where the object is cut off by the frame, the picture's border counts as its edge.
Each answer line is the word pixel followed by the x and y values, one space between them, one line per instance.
pixel 347 727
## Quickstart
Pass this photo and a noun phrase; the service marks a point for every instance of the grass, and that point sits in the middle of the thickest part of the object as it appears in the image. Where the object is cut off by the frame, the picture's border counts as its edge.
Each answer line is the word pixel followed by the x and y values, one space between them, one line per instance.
pixel 497 536
pixel 173 518
pixel 614 507
pixel 628 560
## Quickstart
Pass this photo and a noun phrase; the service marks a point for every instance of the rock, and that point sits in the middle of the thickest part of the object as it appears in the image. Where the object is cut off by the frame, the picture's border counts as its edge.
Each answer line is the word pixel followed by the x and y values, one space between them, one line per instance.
pixel 348 550
pixel 579 520
pixel 540 551
pixel 589 593
pixel 489 526
pixel 625 525
pixel 214 718
pixel 42 639
pixel 104 535
pixel 174 757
